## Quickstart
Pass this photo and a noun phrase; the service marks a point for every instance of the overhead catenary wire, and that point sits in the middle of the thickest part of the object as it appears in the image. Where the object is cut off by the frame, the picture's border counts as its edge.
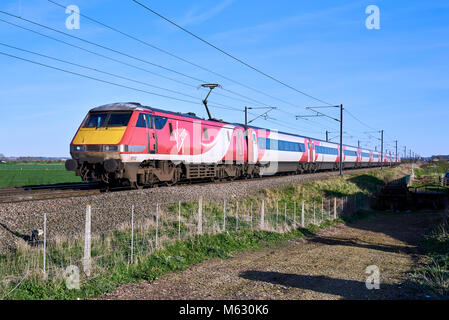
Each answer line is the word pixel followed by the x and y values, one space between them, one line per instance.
pixel 110 74
pixel 104 81
pixel 197 80
pixel 183 60
pixel 107 48
pixel 112 59
pixel 230 55
pixel 199 66
pixel 163 67
pixel 103 56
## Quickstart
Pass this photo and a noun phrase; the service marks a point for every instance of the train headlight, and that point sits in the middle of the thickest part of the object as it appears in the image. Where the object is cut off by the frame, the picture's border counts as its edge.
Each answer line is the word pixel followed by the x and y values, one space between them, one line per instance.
pixel 110 148
pixel 77 148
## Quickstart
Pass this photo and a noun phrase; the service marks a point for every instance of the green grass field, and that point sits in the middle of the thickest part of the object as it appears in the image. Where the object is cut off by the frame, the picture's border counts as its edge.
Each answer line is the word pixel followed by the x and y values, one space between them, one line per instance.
pixel 34 173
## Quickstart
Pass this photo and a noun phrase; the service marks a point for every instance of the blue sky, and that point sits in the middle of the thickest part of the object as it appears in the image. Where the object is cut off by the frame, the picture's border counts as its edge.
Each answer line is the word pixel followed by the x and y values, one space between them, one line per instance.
pixel 395 78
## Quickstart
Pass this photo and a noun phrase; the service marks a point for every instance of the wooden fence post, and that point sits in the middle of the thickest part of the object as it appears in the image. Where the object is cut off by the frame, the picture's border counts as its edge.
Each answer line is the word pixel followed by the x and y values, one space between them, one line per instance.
pixel 322 208
pixel 294 213
pixel 251 216
pixel 132 234
pixel 285 213
pixel 277 213
pixel 335 208
pixel 200 215
pixel 87 235
pixel 302 215
pixel 224 215
pixel 157 225
pixel 237 217
pixel 45 244
pixel 179 220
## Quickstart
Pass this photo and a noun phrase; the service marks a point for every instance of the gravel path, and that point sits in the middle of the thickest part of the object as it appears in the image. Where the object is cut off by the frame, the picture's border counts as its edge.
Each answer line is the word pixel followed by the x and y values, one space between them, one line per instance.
pixel 65 217
pixel 330 265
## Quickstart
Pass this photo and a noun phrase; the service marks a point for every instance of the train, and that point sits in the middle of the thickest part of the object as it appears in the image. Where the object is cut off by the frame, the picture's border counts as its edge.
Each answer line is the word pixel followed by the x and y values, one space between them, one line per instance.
pixel 128 144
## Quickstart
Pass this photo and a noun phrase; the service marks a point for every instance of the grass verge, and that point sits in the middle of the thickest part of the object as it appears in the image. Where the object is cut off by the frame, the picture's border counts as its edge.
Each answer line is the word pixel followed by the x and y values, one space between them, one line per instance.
pixel 115 269
pixel 435 274
pixel 174 257
pixel 35 173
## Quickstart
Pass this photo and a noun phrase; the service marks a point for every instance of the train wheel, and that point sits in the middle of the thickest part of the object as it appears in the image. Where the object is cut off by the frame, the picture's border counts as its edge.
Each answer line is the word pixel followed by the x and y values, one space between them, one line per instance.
pixel 136 186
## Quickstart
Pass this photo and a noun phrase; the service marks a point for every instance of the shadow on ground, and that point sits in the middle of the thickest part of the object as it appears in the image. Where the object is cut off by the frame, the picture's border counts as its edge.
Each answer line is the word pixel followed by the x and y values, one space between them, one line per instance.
pixel 346 289
pixel 15 233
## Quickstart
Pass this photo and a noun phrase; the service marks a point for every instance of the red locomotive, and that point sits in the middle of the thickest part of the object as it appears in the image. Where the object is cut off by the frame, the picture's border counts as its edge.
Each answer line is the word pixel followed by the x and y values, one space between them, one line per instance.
pixel 131 144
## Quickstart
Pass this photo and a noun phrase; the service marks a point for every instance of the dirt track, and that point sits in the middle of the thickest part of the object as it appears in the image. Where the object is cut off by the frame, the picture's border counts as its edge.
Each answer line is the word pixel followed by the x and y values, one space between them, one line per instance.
pixel 330 265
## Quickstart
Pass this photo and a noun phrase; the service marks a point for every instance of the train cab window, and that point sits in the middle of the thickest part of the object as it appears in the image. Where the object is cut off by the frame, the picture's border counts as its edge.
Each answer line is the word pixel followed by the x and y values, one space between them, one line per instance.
pixel 159 122
pixel 170 128
pixel 96 120
pixel 205 134
pixel 142 121
pixel 119 119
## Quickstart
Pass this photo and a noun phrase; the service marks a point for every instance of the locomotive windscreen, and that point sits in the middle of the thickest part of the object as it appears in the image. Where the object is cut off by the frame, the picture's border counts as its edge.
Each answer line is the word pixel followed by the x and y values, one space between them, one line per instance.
pixel 111 119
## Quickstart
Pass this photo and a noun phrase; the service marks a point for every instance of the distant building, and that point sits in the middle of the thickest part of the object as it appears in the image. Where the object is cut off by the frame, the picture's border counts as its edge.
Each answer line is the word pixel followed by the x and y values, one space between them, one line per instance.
pixel 440 158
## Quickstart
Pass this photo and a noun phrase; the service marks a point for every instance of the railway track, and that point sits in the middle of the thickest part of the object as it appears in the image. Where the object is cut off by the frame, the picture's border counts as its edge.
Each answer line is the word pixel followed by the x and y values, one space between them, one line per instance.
pixel 52 191
pixel 43 192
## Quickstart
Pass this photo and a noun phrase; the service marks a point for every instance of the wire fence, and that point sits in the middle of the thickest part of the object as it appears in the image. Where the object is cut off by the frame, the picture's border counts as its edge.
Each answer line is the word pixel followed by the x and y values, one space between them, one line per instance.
pixel 92 249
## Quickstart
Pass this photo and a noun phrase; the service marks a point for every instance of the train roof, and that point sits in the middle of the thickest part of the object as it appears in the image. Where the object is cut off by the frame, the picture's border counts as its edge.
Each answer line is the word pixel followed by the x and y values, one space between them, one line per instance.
pixel 300 136
pixel 131 106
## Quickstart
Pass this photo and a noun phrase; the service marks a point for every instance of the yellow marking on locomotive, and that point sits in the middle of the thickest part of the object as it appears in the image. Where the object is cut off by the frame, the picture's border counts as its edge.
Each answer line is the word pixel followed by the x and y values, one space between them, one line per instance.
pixel 107 135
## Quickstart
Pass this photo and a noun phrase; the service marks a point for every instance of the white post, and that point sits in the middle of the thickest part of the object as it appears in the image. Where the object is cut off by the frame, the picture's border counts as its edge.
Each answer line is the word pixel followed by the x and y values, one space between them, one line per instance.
pixel 179 220
pixel 294 214
pixel 237 217
pixel 314 215
pixel 224 215
pixel 277 213
pixel 322 208
pixel 302 215
pixel 200 215
pixel 251 216
pixel 45 243
pixel 86 262
pixel 157 225
pixel 132 234
pixel 285 213
pixel 262 214
pixel 335 208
